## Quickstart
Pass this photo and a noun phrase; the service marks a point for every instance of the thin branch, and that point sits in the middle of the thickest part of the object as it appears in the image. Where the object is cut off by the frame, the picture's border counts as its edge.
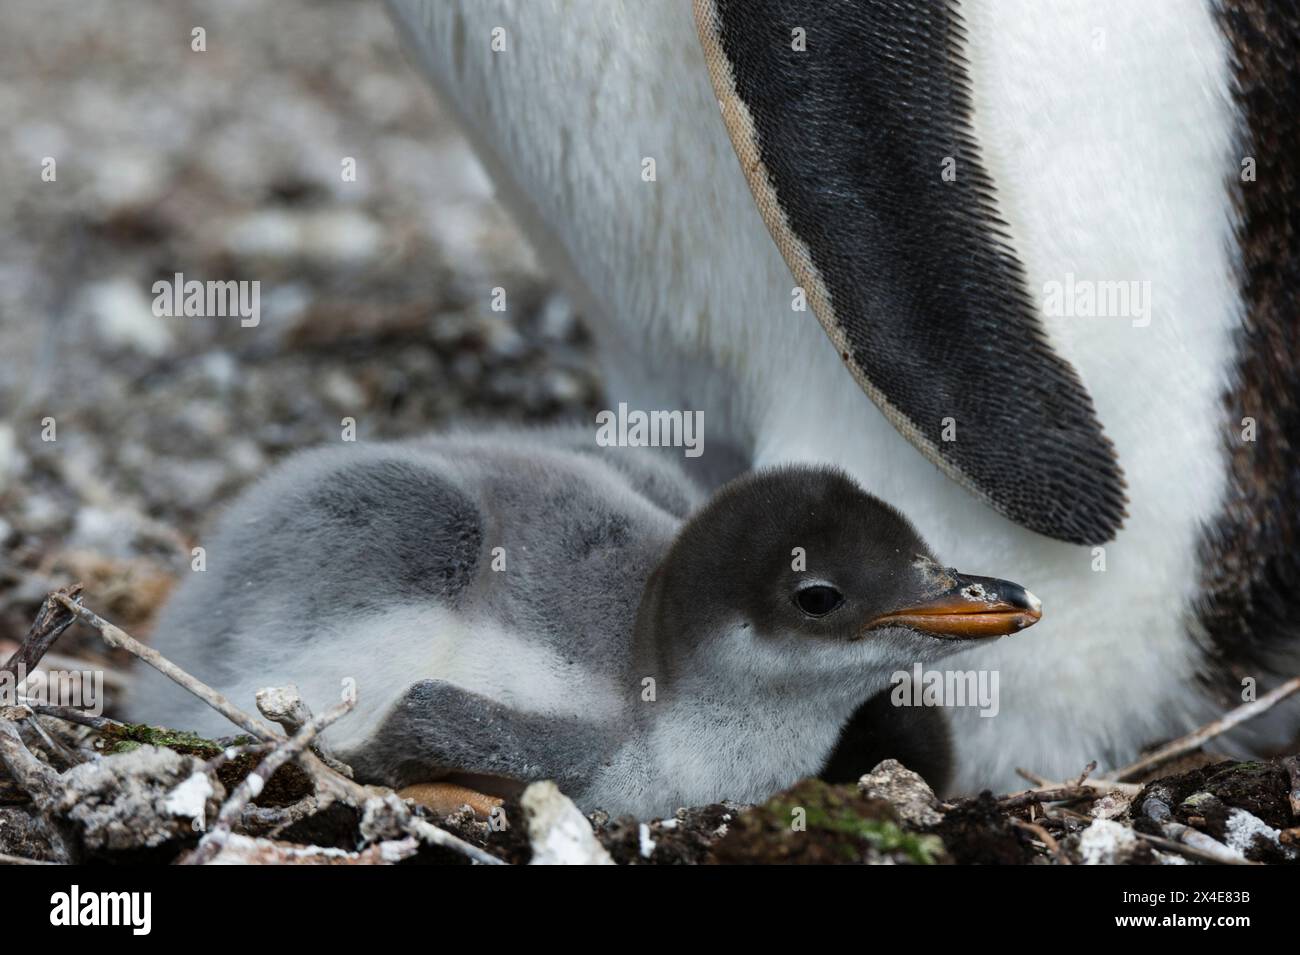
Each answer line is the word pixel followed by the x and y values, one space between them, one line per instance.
pixel 1081 788
pixel 1292 765
pixel 285 705
pixel 119 638
pixel 211 843
pixel 331 784
pixel 1045 837
pixel 1194 741
pixel 1046 791
pixel 1087 771
pixel 268 821
pixel 1039 781
pixel 354 794
pixel 431 834
pixel 53 744
pixel 1156 809
pixel 247 850
pixel 72 715
pixel 1054 794
pixel 39 781
pixel 1190 851
pixel 6 859
pixel 51 620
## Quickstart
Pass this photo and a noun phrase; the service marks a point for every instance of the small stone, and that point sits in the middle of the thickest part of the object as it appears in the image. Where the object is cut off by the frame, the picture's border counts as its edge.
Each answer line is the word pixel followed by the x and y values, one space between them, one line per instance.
pixel 563 387
pixel 558 831
pixel 267 234
pixel 342 235
pixel 1111 806
pixel 905 790
pixel 124 316
pixel 1106 842
pixel 220 369
pixel 556 320
pixel 342 391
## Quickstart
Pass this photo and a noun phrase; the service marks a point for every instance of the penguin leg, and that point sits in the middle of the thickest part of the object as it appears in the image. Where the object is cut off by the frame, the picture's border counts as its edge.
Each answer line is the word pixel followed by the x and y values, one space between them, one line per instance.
pixel 918 737
pixel 439 733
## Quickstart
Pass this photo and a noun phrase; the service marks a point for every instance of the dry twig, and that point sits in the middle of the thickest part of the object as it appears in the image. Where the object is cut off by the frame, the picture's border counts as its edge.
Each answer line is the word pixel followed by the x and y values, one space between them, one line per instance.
pixel 119 638
pixel 1157 810
pixel 1292 764
pixel 53 744
pixel 213 841
pixel 1194 741
pixel 1045 837
pixel 51 620
pixel 330 783
pixel 6 859
pixel 39 781
pixel 246 850
pixel 1191 851
pixel 1083 787
pixel 1068 792
pixel 285 705
pixel 271 820
pixel 72 715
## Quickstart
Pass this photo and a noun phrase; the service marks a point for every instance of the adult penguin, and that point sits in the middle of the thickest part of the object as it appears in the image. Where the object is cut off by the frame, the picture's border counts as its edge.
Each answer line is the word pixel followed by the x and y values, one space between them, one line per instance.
pixel 1051 247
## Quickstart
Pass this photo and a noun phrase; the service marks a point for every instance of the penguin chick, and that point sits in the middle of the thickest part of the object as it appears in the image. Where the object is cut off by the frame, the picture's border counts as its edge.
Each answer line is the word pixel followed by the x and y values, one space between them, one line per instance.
pixel 525 605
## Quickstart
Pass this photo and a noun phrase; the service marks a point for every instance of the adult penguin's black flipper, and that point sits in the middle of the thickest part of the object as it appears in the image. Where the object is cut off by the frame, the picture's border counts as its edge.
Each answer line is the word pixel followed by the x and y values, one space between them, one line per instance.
pixel 850 118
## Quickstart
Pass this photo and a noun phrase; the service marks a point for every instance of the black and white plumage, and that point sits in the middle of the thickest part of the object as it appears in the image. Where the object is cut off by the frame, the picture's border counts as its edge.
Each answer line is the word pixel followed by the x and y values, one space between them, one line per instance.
pixel 524 605
pixel 1095 142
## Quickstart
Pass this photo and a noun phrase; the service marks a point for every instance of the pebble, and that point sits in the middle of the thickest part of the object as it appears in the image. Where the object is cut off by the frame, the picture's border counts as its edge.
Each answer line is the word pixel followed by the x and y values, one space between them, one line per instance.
pixel 905 790
pixel 1106 842
pixel 123 316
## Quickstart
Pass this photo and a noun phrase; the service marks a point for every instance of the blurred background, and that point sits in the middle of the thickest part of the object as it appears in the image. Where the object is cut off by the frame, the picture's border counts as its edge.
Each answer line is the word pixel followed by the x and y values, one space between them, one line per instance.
pixel 226 164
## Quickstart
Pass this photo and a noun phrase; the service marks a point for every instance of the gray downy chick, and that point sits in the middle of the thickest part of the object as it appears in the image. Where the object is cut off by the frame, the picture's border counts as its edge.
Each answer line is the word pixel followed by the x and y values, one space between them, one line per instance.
pixel 524 605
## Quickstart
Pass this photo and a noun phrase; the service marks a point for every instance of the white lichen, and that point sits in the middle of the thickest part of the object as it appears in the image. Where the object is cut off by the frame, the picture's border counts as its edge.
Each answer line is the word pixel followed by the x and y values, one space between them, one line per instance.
pixel 1106 842
pixel 1244 828
pixel 190 798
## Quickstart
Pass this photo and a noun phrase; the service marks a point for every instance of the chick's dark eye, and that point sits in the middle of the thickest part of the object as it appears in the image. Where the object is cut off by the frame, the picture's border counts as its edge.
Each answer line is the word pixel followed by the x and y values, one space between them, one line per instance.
pixel 819 600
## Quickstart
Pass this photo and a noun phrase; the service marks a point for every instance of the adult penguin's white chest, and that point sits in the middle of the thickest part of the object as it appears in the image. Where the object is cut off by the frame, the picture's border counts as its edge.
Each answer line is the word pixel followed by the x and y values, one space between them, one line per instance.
pixel 1107 130
pixel 1109 133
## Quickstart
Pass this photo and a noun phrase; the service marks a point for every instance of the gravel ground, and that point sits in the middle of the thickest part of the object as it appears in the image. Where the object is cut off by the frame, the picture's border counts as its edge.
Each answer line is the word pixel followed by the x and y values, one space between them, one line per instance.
pixel 228 164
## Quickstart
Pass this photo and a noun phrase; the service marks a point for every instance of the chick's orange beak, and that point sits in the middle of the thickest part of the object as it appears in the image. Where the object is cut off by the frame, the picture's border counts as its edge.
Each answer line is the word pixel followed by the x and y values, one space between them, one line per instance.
pixel 961 607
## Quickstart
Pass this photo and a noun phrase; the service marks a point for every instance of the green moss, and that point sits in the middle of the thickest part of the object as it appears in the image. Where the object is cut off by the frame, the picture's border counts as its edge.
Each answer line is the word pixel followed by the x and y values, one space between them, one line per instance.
pixel 130 736
pixel 839 825
pixel 843 816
